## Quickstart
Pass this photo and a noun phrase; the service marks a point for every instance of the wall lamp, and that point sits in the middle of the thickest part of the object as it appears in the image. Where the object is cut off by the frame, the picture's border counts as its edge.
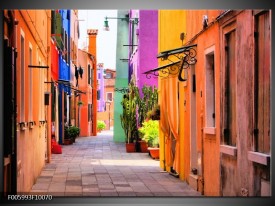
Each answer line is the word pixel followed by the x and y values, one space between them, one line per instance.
pixel 126 18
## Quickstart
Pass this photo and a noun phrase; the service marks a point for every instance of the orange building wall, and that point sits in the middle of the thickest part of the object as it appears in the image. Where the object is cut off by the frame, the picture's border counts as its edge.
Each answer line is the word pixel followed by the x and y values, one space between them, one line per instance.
pixel 92 33
pixel 32 144
pixel 85 125
pixel 194 21
pixel 105 115
pixel 211 142
pixel 242 174
pixel 207 144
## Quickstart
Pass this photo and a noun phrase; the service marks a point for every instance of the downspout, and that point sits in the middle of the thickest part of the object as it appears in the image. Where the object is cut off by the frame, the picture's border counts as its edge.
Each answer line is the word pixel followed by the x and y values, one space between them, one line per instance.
pixel 69 70
pixel 94 93
pixel 202 157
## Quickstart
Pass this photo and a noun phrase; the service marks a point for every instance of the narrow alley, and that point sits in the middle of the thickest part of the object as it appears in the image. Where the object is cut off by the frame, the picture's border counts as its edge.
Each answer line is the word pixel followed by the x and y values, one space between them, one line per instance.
pixel 97 166
pixel 110 86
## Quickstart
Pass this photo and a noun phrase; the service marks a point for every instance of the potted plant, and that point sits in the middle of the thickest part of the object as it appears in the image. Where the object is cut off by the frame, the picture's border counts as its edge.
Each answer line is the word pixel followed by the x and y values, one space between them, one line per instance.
pixel 154 114
pixel 100 125
pixel 79 103
pixel 128 117
pixel 67 139
pixel 150 134
pixel 71 132
pixel 146 102
pixel 143 146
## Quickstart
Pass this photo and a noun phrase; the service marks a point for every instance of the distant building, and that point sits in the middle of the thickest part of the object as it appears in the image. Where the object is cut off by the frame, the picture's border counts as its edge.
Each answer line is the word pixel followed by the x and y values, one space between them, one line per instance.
pixel 106 111
pixel 86 113
pixel 100 88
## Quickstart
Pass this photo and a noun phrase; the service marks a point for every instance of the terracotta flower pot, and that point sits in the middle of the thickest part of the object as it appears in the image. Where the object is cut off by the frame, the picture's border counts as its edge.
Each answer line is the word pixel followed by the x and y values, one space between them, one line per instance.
pixel 143 146
pixel 154 152
pixel 130 147
pixel 67 141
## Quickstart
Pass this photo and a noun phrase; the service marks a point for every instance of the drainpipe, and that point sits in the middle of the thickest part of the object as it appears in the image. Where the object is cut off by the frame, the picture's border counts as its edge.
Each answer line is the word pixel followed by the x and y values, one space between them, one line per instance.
pixel 202 156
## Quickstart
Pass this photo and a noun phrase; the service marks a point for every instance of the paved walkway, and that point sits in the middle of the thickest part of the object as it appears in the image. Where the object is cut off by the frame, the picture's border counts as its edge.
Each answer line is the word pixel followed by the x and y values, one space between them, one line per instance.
pixel 96 166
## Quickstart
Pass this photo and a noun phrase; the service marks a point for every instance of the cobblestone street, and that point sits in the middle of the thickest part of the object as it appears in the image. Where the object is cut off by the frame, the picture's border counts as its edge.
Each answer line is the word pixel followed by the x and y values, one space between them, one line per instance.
pixel 96 166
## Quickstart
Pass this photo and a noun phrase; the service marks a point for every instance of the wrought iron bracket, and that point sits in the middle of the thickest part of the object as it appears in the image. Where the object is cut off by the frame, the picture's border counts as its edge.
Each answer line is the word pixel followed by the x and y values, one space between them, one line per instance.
pixel 123 90
pixel 186 57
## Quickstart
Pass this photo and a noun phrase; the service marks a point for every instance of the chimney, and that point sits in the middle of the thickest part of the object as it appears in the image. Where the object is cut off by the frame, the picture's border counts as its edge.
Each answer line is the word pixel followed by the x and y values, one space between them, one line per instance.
pixel 92 41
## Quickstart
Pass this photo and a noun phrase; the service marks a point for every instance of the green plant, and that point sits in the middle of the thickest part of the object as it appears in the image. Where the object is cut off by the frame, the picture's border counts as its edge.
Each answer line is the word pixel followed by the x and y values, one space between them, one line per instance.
pixel 128 117
pixel 146 103
pixel 71 132
pixel 79 103
pixel 101 125
pixel 150 132
pixel 154 114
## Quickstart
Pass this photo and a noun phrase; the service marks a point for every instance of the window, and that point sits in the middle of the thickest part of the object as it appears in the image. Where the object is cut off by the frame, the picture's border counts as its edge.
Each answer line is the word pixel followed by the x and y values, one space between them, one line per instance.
pixel 262 84
pixel 61 40
pixel 53 110
pixel 90 75
pixel 40 89
pixel 210 89
pixel 22 77
pixel 30 83
pixel 230 89
pixel 109 75
pixel 90 109
pixel 66 46
pixel 72 53
pixel 98 94
pixel 109 96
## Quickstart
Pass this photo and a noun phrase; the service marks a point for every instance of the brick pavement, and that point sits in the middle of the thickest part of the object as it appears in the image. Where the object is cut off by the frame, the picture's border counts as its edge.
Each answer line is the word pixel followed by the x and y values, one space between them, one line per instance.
pixel 97 166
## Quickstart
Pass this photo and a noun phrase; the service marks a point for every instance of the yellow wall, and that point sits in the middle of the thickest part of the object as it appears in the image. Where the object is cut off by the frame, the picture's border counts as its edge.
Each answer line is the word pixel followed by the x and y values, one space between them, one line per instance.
pixel 171 25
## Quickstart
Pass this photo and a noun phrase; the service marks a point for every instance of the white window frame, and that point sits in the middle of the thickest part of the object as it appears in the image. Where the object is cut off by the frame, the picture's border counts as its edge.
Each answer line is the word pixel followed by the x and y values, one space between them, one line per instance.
pixel 210 88
pixel 107 100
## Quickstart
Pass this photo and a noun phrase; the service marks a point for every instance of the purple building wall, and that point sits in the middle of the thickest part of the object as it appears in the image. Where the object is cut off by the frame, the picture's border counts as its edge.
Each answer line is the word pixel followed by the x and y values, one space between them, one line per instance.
pixel 145 57
pixel 100 89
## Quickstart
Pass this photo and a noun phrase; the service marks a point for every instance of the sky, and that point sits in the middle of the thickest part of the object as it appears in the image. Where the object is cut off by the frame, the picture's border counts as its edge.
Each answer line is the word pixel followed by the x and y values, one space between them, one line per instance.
pixel 106 40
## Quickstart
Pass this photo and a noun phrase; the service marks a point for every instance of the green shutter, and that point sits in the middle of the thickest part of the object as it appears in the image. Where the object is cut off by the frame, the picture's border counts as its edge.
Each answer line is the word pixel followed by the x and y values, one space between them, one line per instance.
pixel 58 30
pixel 98 94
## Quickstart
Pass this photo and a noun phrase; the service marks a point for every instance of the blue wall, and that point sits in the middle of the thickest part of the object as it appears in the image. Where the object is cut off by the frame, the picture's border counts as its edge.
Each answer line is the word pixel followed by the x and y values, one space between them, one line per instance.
pixel 64 69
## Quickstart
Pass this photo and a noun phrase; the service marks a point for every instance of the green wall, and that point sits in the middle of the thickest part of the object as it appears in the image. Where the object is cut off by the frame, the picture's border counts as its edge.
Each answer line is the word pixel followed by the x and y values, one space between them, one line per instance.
pixel 121 73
